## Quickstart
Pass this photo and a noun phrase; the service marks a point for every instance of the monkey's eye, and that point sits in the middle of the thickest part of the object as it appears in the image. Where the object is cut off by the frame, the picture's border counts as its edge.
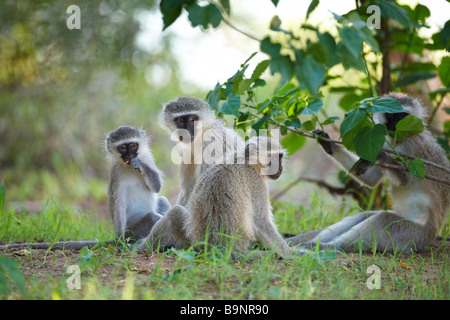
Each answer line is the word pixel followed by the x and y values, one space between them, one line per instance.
pixel 193 118
pixel 123 147
pixel 133 145
pixel 181 120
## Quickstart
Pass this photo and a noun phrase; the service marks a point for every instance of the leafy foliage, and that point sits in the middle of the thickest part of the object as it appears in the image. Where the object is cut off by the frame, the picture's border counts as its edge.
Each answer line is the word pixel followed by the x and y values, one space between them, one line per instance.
pixel 305 61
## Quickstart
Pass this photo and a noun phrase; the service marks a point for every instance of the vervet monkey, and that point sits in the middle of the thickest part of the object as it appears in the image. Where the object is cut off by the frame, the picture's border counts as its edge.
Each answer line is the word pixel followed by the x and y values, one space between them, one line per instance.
pixel 228 201
pixel 419 206
pixel 195 127
pixel 134 182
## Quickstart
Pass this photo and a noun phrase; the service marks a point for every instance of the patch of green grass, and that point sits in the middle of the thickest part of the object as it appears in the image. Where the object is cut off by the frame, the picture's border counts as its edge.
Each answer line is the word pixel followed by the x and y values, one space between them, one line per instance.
pixel 211 274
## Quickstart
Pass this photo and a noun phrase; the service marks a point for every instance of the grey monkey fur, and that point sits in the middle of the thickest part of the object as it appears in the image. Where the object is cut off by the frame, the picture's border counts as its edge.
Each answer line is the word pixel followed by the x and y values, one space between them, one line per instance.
pixel 419 206
pixel 215 199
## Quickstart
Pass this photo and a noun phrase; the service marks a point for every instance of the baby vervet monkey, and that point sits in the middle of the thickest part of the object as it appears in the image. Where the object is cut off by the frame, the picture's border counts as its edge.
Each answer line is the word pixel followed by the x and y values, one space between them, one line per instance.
pixel 419 206
pixel 134 183
pixel 228 198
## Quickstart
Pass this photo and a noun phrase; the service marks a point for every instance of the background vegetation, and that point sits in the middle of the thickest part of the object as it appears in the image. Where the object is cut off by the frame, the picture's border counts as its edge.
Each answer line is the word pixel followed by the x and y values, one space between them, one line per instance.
pixel 62 90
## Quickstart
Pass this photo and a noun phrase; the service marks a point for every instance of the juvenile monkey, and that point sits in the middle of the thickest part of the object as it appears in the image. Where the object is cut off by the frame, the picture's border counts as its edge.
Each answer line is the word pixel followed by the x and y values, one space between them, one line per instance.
pixel 134 183
pixel 231 200
pixel 419 206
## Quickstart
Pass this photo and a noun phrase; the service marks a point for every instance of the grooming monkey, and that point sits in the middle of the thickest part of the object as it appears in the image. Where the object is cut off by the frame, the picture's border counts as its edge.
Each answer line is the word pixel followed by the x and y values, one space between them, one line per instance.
pixel 229 201
pixel 134 182
pixel 419 206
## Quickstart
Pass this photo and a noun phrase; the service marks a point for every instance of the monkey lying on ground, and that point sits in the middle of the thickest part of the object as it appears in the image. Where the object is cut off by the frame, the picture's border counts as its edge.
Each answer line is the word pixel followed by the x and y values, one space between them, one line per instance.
pixel 134 182
pixel 419 206
pixel 216 199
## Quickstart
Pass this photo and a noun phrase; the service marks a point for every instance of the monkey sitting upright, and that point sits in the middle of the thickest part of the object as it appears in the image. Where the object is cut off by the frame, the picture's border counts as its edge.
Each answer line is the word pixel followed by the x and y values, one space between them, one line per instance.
pixel 419 206
pixel 133 186
pixel 230 202
pixel 134 183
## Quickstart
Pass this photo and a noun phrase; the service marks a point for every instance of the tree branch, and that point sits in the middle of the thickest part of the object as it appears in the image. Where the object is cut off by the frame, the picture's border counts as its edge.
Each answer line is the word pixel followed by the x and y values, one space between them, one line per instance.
pixel 310 135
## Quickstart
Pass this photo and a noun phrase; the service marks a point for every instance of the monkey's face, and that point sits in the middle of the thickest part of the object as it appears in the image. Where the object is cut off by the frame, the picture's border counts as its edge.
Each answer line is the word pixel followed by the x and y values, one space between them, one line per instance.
pixel 128 151
pixel 390 120
pixel 186 122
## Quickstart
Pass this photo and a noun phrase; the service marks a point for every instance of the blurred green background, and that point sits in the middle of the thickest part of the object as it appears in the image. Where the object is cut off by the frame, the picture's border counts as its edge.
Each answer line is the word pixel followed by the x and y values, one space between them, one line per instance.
pixel 62 91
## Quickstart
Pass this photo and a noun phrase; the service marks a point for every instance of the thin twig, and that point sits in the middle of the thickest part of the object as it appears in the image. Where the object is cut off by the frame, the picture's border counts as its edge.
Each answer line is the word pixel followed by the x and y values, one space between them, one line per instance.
pixel 310 135
pixel 393 166
pixel 233 26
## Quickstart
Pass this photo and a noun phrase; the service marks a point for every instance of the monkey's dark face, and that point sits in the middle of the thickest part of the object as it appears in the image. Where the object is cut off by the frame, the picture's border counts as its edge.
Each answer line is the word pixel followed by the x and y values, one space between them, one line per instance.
pixel 393 118
pixel 276 175
pixel 186 122
pixel 128 151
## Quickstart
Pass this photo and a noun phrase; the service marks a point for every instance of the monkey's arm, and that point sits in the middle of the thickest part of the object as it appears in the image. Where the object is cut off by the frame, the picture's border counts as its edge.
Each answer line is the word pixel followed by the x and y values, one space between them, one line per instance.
pixel 271 238
pixel 370 177
pixel 151 176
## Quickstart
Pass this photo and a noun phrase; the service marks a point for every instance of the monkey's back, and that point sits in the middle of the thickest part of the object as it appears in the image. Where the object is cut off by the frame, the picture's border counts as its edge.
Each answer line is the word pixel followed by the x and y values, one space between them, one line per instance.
pixel 221 203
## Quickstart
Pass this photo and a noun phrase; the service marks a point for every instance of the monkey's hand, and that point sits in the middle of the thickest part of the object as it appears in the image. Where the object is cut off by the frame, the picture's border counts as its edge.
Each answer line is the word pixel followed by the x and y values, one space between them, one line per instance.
pixel 326 145
pixel 135 163
pixel 361 167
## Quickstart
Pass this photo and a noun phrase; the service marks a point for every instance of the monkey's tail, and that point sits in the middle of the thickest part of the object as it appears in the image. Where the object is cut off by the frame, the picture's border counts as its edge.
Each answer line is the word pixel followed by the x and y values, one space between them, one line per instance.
pixel 68 245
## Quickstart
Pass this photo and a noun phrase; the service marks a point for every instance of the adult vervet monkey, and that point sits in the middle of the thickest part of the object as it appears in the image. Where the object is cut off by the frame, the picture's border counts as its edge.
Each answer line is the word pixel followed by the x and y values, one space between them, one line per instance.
pixel 230 202
pixel 196 128
pixel 419 206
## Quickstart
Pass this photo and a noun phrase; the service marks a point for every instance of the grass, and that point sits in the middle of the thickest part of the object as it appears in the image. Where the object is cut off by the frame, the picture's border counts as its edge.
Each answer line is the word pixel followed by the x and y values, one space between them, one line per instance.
pixel 186 274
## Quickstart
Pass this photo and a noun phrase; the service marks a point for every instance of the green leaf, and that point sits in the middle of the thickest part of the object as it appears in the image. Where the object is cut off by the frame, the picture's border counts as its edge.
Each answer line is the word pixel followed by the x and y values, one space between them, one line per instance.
pixel 352 41
pixel 309 125
pixel 213 97
pixel 413 77
pixel 417 168
pixel 269 47
pixel 393 11
pixel 369 141
pixel 284 66
pixel 386 105
pixel 275 2
pixel 351 120
pixel 293 142
pixel 171 10
pixel 312 6
pixel 9 269
pixel 328 42
pixel 293 122
pixel 261 123
pixel 260 68
pixel 349 136
pixel 204 16
pixel 330 120
pixel 313 107
pixel 275 23
pixel 308 71
pixel 348 59
pixel 408 126
pixel 232 105
pixel 444 71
